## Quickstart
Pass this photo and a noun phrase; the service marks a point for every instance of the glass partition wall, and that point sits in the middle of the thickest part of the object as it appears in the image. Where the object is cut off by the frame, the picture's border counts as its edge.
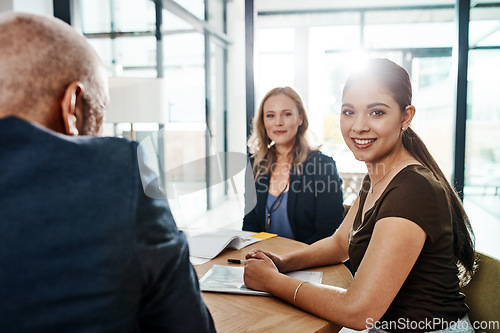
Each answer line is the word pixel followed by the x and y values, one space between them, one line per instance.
pixel 482 150
pixel 189 54
pixel 313 50
pixel 337 41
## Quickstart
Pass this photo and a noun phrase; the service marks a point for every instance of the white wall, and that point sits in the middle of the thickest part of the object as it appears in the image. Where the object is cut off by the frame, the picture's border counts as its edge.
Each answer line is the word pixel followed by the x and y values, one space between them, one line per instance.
pixel 236 117
pixel 6 5
pixel 41 7
pixel 236 130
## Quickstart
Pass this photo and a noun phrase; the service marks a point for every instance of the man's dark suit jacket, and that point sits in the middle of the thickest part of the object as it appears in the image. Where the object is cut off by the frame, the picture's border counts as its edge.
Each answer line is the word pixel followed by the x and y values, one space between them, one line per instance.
pixel 315 204
pixel 82 248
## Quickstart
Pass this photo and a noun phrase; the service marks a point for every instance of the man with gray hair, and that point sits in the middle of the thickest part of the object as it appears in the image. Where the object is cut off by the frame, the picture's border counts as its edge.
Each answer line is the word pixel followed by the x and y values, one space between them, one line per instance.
pixel 82 248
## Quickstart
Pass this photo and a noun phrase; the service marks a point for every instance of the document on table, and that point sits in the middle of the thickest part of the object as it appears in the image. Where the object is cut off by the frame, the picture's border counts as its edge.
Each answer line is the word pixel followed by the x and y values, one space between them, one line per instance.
pixel 229 279
pixel 208 245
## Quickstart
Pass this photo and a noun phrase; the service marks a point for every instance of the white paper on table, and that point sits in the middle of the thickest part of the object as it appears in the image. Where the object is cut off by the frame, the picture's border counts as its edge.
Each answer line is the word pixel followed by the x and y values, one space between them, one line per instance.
pixel 209 245
pixel 229 279
pixel 197 260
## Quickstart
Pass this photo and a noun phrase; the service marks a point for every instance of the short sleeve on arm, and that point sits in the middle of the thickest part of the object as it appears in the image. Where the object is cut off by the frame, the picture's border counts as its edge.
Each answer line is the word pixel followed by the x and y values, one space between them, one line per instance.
pixel 416 195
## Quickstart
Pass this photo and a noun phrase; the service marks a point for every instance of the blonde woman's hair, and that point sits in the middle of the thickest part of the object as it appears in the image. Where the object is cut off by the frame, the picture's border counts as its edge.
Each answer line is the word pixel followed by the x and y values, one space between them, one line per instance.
pixel 264 156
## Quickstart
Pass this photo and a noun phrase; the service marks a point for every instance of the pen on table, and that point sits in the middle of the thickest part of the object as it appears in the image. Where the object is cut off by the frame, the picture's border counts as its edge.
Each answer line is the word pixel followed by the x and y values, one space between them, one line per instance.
pixel 236 261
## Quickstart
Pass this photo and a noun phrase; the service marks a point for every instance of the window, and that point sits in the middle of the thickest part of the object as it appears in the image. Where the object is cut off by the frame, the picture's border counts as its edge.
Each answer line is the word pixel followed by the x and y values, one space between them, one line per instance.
pixel 420 40
pixel 123 33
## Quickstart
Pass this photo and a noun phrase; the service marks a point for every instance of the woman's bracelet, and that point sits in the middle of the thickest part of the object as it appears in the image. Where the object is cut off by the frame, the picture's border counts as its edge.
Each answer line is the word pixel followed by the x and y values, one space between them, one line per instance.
pixel 296 291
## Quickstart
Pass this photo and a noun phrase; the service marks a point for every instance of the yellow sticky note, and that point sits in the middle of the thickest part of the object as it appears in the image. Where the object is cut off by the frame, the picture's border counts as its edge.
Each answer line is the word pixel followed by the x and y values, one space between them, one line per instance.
pixel 264 235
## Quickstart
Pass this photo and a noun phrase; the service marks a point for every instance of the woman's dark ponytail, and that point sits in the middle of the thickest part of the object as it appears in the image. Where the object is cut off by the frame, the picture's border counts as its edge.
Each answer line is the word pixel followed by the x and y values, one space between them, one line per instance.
pixel 463 236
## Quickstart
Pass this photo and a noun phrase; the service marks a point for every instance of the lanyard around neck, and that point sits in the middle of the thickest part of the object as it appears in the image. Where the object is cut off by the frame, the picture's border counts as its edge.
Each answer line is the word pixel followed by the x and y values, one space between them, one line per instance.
pixel 274 206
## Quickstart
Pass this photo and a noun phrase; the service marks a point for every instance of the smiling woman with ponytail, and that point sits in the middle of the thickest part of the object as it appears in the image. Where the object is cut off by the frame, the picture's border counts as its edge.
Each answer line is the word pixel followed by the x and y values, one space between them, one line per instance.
pixel 407 234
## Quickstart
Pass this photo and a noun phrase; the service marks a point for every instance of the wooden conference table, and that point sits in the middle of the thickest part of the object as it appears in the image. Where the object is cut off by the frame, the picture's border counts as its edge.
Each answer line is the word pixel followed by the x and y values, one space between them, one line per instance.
pixel 244 313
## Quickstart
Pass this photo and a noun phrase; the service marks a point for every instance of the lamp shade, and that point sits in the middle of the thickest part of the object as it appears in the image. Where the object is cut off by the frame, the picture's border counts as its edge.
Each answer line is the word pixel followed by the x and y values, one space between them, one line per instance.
pixel 137 100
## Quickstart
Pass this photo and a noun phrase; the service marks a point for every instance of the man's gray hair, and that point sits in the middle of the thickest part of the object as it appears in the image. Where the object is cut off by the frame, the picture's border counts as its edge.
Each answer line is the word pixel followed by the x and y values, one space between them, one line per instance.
pixel 39 57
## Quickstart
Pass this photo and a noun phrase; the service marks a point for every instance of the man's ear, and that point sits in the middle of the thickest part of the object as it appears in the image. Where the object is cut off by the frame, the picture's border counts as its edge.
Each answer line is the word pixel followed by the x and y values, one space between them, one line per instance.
pixel 69 107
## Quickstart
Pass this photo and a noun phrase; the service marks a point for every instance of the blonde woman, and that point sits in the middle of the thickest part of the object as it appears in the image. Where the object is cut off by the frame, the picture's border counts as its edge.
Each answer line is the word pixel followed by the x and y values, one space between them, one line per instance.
pixel 299 192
